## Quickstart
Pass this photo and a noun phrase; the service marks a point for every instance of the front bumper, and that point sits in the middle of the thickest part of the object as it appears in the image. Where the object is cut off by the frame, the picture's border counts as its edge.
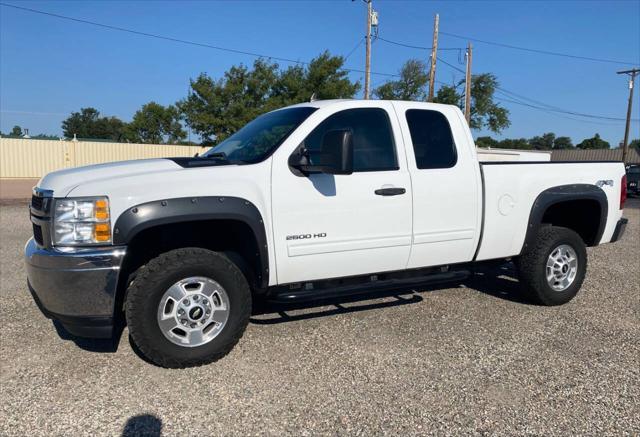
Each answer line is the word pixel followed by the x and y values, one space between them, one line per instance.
pixel 619 230
pixel 76 287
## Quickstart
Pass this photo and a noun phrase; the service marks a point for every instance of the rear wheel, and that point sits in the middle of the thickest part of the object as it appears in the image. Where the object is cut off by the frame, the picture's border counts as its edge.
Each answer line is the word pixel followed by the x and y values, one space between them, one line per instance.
pixel 553 268
pixel 187 307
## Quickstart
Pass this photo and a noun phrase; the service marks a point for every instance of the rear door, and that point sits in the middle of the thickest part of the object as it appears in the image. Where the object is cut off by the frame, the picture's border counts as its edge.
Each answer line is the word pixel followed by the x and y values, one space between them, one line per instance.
pixel 446 184
pixel 328 226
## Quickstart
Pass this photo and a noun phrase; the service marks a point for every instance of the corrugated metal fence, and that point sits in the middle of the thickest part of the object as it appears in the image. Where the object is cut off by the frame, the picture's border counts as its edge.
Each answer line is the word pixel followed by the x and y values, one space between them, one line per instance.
pixel 29 158
pixel 595 155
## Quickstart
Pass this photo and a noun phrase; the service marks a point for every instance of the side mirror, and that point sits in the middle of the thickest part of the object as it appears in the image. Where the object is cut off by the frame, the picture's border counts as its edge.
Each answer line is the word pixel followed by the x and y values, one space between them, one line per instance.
pixel 335 155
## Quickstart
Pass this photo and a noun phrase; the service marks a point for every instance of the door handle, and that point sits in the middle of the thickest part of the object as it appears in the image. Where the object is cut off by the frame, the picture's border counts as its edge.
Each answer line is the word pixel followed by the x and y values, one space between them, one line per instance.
pixel 390 191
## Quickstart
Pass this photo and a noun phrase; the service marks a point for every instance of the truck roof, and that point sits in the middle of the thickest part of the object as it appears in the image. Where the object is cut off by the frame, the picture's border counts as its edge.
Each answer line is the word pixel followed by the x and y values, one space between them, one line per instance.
pixel 325 103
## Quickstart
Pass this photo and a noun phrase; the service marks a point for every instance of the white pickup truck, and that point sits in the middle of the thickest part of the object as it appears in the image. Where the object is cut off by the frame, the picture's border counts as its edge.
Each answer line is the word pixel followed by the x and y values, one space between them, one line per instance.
pixel 316 199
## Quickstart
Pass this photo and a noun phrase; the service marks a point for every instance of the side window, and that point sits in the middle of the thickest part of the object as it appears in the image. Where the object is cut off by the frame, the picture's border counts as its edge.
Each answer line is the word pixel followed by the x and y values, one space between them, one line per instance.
pixel 432 139
pixel 373 145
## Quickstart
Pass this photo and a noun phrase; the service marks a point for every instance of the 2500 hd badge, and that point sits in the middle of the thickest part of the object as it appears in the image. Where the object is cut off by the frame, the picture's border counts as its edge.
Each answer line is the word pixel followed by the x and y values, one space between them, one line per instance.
pixel 306 236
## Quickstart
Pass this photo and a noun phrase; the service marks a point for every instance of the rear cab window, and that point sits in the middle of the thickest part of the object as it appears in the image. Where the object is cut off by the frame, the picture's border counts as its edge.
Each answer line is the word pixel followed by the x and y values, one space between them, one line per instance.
pixel 432 139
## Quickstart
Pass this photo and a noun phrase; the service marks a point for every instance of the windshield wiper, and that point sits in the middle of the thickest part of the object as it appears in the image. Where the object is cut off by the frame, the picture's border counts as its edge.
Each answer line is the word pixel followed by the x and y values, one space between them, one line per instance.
pixel 217 155
pixel 222 157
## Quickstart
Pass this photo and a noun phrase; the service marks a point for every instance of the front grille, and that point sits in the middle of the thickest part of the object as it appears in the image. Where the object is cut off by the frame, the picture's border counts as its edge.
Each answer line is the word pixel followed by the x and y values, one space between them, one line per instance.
pixel 37 234
pixel 41 204
pixel 37 202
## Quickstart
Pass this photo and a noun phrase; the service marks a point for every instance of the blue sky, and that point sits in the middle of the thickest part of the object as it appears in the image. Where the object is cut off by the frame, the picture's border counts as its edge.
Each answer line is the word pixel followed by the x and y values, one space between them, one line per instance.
pixel 50 67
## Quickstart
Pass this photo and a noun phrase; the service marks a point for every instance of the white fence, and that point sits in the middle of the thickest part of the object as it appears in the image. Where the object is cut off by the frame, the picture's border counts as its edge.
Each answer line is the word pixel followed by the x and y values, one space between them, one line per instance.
pixel 29 158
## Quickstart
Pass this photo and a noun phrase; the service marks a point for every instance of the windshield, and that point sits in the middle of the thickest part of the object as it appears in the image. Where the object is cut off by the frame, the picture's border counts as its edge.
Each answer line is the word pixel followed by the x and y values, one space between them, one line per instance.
pixel 634 170
pixel 261 137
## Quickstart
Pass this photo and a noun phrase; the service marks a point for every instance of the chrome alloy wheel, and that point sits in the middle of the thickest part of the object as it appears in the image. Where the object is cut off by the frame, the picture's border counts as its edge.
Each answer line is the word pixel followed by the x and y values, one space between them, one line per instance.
pixel 562 267
pixel 193 311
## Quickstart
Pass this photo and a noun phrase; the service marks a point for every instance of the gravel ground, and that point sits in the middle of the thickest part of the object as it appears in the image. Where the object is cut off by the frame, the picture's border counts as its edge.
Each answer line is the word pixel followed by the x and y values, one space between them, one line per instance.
pixel 469 359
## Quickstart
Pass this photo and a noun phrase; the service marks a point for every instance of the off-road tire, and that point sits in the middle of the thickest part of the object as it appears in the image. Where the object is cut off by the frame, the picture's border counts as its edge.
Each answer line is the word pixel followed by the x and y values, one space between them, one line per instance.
pixel 154 278
pixel 531 266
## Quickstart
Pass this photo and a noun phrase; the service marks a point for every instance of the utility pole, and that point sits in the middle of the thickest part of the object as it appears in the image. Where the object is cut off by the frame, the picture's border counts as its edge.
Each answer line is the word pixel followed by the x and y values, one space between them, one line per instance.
pixel 367 65
pixel 625 142
pixel 467 85
pixel 434 56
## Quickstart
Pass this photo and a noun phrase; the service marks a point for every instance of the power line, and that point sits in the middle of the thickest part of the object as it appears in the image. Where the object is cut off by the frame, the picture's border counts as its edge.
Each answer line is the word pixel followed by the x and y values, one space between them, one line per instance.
pixel 541 105
pixel 611 120
pixel 452 66
pixel 355 48
pixel 178 40
pixel 351 70
pixel 545 106
pixel 151 35
pixel 513 95
pixel 554 113
pixel 416 47
pixel 543 52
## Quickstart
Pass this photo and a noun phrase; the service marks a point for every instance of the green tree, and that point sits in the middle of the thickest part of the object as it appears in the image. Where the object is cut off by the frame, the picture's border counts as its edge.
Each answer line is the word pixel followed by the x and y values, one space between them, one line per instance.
pixel 635 144
pixel 411 85
pixel 156 124
pixel 515 143
pixel 16 132
pixel 562 143
pixel 325 78
pixel 217 108
pixel 81 124
pixel 45 137
pixel 486 142
pixel 448 95
pixel 485 113
pixel 545 142
pixel 291 87
pixel 89 124
pixel 593 143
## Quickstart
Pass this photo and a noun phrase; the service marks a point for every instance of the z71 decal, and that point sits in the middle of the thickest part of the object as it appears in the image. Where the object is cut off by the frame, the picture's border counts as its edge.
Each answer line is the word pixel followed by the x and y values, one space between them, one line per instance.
pixel 306 236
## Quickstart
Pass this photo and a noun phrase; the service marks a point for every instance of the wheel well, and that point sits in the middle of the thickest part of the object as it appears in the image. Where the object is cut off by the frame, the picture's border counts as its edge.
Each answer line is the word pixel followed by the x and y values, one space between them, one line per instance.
pixel 582 216
pixel 233 237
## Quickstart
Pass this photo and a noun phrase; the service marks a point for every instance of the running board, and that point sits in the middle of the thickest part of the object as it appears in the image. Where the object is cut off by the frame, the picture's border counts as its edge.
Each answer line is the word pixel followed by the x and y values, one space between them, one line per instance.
pixel 286 295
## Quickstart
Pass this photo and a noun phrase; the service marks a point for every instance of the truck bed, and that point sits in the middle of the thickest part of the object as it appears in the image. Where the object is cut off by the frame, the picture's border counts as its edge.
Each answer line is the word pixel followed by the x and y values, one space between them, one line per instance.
pixel 511 188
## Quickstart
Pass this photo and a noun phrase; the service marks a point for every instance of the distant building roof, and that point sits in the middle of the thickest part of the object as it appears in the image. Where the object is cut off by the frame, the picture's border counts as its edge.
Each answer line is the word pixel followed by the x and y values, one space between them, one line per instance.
pixel 595 155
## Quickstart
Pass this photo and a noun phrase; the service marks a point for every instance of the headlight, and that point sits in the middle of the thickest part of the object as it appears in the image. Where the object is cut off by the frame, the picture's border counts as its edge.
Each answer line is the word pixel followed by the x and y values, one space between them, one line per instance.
pixel 81 221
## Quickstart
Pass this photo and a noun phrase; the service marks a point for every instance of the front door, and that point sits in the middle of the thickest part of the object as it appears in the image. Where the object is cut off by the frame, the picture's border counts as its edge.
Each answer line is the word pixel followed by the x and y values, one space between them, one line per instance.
pixel 328 226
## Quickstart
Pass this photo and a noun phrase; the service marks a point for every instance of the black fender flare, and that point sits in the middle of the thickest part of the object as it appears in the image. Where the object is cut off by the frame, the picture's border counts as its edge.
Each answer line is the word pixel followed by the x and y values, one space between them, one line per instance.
pixel 564 193
pixel 185 209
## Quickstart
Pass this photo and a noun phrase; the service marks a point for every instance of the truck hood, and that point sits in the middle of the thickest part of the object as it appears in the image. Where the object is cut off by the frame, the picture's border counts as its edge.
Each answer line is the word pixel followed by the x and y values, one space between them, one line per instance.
pixel 61 182
pixel 131 183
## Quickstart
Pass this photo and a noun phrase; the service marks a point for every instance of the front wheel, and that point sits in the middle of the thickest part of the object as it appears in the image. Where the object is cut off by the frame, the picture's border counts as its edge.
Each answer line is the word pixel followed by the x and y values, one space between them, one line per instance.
pixel 552 270
pixel 187 307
